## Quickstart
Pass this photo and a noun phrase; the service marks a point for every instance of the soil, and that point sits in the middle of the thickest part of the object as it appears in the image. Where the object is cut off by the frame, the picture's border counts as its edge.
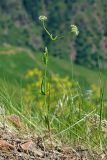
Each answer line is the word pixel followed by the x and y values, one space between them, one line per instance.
pixel 18 144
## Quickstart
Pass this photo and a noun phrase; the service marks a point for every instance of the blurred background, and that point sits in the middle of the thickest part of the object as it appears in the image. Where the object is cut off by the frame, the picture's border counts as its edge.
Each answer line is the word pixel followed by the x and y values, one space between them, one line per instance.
pixel 66 103
pixel 21 31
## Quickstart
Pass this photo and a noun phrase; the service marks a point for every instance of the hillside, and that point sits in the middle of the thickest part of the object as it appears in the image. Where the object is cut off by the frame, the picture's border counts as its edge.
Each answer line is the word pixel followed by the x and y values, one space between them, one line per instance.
pixel 19 26
pixel 15 62
pixel 53 91
pixel 67 124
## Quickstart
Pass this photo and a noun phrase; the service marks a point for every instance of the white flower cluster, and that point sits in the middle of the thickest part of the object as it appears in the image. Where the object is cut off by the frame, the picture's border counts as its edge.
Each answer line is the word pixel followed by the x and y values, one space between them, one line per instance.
pixel 74 30
pixel 42 18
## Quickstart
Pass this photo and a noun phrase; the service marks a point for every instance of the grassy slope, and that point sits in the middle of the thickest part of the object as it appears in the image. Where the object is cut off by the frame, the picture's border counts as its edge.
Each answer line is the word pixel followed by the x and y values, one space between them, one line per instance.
pixel 12 77
pixel 14 66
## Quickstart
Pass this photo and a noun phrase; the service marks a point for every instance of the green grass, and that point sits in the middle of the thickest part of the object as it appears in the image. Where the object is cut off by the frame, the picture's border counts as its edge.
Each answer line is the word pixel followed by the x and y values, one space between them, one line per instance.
pixel 70 118
pixel 14 67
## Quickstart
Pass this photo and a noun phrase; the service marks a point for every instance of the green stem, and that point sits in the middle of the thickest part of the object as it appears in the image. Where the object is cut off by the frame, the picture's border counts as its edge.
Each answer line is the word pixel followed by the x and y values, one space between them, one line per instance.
pixel 50 35
pixel 45 76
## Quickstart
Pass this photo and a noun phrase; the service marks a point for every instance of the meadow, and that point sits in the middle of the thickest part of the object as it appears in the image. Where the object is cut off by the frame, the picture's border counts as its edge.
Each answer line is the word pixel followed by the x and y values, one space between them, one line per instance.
pixel 53 74
pixel 75 107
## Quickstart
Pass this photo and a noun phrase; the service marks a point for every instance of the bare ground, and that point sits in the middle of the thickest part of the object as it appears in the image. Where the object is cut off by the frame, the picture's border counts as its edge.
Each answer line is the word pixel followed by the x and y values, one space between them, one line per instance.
pixel 17 146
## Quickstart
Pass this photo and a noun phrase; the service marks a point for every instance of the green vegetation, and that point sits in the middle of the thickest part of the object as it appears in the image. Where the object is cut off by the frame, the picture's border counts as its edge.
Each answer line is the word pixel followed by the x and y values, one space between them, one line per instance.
pixel 13 67
pixel 57 98
pixel 19 20
pixel 70 113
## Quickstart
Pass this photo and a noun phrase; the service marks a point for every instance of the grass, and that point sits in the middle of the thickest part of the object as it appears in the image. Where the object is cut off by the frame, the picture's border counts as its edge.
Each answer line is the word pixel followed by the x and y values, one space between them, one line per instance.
pixel 14 67
pixel 72 117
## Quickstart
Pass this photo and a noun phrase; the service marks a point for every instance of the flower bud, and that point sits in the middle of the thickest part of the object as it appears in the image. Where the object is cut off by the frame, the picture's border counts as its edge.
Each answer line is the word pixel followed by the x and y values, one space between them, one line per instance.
pixel 42 18
pixel 45 56
pixel 74 30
